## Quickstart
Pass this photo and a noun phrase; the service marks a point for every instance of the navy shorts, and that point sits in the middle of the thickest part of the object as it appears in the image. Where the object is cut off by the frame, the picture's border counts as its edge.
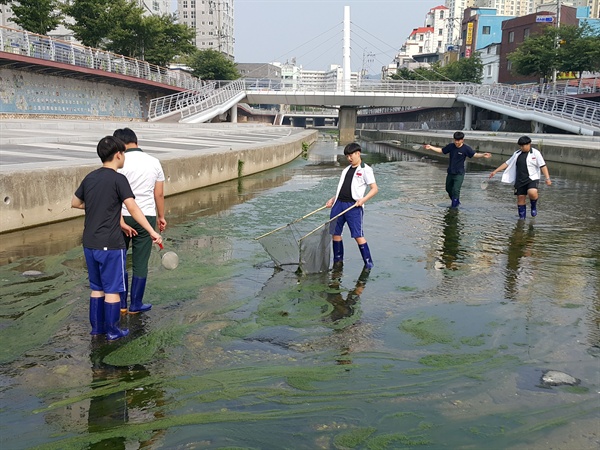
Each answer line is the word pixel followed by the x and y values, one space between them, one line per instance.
pixel 522 190
pixel 354 219
pixel 106 269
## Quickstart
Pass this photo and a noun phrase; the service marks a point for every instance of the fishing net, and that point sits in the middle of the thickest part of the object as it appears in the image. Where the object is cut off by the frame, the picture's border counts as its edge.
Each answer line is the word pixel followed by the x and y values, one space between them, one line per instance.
pixel 299 244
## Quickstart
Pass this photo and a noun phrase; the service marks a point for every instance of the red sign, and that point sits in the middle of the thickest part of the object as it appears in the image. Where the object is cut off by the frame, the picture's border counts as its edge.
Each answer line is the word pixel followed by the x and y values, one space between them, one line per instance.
pixel 468 52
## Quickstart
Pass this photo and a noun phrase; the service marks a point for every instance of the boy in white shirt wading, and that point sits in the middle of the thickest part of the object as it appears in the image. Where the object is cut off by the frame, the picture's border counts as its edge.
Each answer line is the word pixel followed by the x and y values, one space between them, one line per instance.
pixel 351 192
pixel 523 170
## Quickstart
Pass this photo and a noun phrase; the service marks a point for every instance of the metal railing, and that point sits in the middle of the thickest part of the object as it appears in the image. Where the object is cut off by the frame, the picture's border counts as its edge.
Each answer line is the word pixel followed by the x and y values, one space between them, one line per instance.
pixel 576 110
pixel 162 106
pixel 223 92
pixel 50 49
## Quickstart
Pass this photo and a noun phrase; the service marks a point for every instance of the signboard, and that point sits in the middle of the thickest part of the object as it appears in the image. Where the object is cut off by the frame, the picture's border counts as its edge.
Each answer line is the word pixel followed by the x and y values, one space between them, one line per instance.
pixel 544 19
pixel 469 38
pixel 468 52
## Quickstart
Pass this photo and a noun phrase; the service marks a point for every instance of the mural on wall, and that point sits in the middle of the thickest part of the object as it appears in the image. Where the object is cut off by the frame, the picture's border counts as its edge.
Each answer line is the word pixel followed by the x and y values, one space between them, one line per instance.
pixel 31 93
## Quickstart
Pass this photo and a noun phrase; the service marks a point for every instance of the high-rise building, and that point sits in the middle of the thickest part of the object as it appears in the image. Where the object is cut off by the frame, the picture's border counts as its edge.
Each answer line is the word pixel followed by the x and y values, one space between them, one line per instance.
pixel 456 9
pixel 158 7
pixel 213 22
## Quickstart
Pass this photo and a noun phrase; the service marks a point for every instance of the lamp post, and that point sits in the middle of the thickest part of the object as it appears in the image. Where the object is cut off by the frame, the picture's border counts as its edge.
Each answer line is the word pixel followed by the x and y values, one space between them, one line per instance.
pixel 556 43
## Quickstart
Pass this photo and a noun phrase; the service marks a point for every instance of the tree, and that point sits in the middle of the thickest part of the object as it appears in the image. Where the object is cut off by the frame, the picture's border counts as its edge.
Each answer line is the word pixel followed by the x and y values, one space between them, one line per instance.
pixel 465 70
pixel 536 55
pixel 212 65
pixel 36 16
pixel 95 20
pixel 578 49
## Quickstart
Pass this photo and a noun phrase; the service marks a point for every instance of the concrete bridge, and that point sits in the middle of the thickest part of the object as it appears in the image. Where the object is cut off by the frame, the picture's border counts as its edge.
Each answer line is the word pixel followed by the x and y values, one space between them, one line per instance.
pixel 554 108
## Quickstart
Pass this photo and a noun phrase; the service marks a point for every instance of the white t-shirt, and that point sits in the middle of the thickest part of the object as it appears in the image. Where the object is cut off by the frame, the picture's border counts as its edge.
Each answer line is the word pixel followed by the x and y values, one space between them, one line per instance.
pixel 143 172
pixel 362 178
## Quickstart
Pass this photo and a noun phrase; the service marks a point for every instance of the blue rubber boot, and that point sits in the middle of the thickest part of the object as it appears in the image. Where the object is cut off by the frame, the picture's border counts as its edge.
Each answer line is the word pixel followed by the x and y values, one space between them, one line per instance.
pixel 533 208
pixel 338 251
pixel 522 211
pixel 97 315
pixel 366 255
pixel 112 316
pixel 124 294
pixel 455 203
pixel 138 287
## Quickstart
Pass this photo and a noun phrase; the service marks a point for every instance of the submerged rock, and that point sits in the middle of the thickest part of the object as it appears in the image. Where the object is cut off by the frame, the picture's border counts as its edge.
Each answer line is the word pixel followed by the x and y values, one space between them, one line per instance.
pixel 32 273
pixel 556 378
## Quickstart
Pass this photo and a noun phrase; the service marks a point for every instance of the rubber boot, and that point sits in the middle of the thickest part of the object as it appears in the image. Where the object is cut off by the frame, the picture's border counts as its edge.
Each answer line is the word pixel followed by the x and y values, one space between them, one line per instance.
pixel 138 286
pixel 522 211
pixel 112 316
pixel 455 203
pixel 97 315
pixel 366 255
pixel 533 208
pixel 124 294
pixel 338 252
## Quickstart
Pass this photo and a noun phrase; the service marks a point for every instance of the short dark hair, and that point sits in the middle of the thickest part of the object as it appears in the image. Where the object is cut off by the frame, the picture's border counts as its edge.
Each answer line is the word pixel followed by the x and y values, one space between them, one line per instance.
pixel 351 148
pixel 524 140
pixel 108 147
pixel 126 135
pixel 458 135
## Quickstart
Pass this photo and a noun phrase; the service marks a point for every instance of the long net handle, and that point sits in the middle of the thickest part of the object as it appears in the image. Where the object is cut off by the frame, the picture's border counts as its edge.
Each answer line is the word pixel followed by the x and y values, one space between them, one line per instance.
pixel 329 221
pixel 295 221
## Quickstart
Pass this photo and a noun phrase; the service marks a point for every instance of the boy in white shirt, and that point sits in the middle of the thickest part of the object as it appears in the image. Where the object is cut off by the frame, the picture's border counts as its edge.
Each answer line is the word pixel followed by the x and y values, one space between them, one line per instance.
pixel 523 170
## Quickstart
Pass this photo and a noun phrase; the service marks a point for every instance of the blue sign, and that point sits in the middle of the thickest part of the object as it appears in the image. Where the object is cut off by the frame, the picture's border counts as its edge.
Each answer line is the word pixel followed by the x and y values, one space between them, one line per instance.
pixel 544 19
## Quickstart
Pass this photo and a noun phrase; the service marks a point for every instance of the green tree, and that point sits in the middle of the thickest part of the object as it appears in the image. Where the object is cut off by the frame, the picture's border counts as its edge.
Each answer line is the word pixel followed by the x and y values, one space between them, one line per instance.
pixel 579 49
pixel 468 70
pixel 212 65
pixel 537 55
pixel 36 16
pixel 95 20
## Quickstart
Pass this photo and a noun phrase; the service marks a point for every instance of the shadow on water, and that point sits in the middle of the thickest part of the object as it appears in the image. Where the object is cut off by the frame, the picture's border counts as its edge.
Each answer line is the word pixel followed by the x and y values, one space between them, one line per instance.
pixel 442 344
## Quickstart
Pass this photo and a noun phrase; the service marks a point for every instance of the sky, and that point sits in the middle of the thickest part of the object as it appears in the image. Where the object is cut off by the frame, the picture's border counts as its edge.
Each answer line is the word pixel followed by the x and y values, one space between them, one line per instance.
pixel 312 31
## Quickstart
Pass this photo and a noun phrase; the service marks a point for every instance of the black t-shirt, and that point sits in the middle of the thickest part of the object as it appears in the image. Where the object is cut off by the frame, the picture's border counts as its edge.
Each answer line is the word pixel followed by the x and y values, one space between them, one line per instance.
pixel 103 192
pixel 458 155
pixel 345 194
pixel 522 172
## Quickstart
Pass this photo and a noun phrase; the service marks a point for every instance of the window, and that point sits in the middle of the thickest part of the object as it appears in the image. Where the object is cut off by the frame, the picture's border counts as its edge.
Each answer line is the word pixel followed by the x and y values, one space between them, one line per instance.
pixel 441 13
pixel 185 4
pixel 509 65
pixel 486 30
pixel 489 71
pixel 511 36
pixel 421 49
pixel 441 32
pixel 421 37
pixel 525 33
pixel 439 44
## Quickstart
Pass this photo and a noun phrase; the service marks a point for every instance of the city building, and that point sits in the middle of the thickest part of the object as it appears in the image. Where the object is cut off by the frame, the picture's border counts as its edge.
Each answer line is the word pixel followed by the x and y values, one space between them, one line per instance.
pixel 213 22
pixel 515 31
pixel 456 9
pixel 259 70
pixel 490 58
pixel 480 28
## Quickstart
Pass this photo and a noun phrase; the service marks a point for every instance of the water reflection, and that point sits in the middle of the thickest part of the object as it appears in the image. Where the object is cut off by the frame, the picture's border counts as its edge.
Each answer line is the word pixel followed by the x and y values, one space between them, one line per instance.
pixel 520 245
pixel 345 308
pixel 451 239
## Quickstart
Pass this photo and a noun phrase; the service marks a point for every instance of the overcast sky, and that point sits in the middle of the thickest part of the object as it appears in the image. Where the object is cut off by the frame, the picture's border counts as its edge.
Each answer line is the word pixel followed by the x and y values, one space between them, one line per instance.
pixel 312 31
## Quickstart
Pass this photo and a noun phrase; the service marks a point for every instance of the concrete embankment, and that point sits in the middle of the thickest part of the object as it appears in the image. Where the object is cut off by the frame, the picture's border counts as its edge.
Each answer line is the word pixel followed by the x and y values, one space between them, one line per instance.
pixel 39 193
pixel 565 149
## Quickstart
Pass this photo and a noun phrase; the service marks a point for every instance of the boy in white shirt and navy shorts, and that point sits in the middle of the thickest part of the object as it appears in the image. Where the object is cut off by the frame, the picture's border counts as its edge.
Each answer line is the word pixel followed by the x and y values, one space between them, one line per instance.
pixel 351 193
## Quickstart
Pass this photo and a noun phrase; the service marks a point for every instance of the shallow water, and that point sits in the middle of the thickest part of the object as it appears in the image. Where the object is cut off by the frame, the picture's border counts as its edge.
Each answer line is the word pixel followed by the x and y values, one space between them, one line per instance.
pixel 442 345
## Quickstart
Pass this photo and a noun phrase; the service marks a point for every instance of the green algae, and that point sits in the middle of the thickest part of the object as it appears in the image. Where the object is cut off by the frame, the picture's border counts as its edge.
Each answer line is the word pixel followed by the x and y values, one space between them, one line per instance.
pixel 474 341
pixel 148 347
pixel 353 438
pixel 392 440
pixel 427 331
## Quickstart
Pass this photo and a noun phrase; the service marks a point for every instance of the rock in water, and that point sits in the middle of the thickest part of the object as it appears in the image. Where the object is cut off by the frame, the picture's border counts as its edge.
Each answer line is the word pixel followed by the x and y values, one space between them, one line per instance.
pixel 556 378
pixel 32 273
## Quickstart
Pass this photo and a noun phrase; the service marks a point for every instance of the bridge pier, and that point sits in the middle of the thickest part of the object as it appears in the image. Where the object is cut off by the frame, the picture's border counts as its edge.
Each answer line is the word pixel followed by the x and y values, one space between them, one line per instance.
pixel 347 124
pixel 233 114
pixel 468 117
pixel 537 127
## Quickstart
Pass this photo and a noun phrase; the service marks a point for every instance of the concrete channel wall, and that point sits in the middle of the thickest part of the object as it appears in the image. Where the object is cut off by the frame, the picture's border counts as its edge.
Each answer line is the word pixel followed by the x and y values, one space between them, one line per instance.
pixel 35 197
pixel 565 149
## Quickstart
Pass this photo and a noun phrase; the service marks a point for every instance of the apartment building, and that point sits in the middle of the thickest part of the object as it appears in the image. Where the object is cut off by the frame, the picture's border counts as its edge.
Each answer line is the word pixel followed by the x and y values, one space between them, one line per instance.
pixel 213 22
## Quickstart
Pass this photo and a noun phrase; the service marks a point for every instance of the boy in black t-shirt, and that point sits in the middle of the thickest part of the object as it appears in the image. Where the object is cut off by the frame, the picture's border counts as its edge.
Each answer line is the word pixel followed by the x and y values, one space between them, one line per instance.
pixel 458 152
pixel 101 194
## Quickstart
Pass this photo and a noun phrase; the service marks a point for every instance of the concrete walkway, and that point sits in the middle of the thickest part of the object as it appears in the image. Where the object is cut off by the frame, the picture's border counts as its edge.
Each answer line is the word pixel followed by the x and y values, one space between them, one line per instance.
pixel 43 161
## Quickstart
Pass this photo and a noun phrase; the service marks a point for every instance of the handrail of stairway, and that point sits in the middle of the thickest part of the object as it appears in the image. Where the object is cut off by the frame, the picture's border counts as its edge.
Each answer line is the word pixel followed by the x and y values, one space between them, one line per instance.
pixel 574 109
pixel 48 48
pixel 170 104
pixel 224 91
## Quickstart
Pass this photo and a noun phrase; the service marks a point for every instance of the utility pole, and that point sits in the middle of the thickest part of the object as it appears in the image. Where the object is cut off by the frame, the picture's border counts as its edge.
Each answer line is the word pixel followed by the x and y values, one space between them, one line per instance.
pixel 556 42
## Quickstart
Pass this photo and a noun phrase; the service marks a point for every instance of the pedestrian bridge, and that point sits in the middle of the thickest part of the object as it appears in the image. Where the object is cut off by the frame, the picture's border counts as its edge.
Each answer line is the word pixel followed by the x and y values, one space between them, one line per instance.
pixel 553 107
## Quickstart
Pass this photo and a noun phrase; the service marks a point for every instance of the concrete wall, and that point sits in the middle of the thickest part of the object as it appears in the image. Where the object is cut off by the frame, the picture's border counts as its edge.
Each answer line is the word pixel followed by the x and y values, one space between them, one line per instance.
pixel 36 197
pixel 23 92
pixel 561 149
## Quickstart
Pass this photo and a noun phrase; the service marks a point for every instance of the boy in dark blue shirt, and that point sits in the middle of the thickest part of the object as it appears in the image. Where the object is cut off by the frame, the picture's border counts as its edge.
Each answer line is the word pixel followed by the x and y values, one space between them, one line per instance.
pixel 458 152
